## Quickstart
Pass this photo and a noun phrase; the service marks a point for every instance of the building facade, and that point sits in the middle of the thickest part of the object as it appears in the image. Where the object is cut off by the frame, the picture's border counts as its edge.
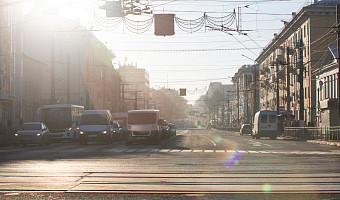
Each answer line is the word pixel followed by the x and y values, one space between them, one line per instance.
pixel 10 67
pixel 135 87
pixel 295 53
pixel 245 103
pixel 327 89
pixel 219 100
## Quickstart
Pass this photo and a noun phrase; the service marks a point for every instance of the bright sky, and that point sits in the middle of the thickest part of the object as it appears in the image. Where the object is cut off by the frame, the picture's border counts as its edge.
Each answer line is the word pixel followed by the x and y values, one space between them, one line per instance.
pixel 178 61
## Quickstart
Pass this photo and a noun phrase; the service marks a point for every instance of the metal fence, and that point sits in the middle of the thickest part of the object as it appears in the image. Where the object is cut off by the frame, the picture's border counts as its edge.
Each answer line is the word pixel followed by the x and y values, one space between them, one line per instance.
pixel 313 133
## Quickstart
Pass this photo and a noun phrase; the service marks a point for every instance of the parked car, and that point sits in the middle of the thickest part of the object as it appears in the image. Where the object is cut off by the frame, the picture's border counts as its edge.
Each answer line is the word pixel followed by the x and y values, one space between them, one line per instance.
pixel 245 129
pixel 32 133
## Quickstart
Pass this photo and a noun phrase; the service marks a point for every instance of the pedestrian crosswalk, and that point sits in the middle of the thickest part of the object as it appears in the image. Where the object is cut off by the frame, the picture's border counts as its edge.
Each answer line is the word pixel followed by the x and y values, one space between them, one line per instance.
pixel 169 150
pixel 222 151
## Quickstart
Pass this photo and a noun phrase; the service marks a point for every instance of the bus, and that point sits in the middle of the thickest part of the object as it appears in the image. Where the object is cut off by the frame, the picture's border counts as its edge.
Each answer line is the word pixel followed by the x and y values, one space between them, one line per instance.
pixel 144 126
pixel 62 120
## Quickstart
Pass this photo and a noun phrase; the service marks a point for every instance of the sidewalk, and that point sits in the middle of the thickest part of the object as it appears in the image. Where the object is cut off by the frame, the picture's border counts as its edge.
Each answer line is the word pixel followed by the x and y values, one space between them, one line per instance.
pixel 331 143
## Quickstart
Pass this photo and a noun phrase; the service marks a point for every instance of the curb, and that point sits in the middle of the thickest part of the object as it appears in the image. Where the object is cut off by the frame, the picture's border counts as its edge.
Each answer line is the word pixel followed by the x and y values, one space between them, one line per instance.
pixel 324 142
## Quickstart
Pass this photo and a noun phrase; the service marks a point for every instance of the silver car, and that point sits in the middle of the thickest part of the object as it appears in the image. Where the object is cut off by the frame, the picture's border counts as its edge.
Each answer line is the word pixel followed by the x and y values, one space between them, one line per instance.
pixel 32 133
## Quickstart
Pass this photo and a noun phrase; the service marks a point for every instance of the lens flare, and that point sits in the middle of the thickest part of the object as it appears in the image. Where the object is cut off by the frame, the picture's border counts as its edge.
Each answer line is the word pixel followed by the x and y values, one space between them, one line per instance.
pixel 217 139
pixel 267 188
pixel 233 159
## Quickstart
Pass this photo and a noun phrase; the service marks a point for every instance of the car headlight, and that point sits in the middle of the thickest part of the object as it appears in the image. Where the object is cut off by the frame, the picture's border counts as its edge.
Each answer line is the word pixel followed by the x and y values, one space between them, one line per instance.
pixel 81 132
pixel 104 132
pixel 38 134
pixel 68 129
pixel 16 134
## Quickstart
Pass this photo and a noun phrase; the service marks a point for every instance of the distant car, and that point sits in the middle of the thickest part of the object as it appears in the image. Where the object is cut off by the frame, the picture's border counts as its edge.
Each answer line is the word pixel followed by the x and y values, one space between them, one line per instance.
pixel 32 133
pixel 245 129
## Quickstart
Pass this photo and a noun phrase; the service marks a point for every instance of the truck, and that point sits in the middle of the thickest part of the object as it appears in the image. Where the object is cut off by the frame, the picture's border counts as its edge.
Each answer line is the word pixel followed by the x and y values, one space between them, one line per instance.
pixel 144 126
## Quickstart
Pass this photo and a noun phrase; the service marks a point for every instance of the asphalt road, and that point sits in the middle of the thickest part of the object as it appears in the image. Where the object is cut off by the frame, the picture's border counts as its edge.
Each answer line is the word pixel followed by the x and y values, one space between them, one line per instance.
pixel 196 164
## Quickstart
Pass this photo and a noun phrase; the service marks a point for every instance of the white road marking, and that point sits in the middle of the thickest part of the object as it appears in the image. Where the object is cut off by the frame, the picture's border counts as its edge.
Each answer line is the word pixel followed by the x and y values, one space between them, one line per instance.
pixel 210 140
pixel 175 150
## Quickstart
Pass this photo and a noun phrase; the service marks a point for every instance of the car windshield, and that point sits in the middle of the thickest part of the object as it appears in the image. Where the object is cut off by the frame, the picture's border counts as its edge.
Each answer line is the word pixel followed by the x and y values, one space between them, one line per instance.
pixel 94 119
pixel 142 118
pixel 31 127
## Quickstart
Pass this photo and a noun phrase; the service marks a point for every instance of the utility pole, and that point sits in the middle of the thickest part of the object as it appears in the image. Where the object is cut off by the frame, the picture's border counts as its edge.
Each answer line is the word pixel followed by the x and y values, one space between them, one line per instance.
pixel 123 97
pixel 238 103
pixel 338 44
pixel 255 91
pixel 68 80
pixel 223 110
pixel 228 110
pixel 302 98
pixel 136 100
pixel 52 72
pixel 277 88
pixel 87 103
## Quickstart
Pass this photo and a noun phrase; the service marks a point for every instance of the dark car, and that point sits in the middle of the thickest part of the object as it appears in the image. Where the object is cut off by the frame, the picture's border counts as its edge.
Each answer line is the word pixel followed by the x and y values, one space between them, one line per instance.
pixel 32 133
pixel 245 129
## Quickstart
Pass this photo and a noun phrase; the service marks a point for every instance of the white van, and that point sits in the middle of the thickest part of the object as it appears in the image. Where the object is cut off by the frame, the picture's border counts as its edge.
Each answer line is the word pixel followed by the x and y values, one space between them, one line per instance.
pixel 95 125
pixel 265 124
pixel 144 125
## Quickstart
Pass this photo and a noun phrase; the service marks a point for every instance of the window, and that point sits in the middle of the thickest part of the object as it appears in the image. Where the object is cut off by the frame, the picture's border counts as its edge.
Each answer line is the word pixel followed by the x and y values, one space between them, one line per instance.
pixel 328 87
pixel 331 88
pixel 263 118
pixel 336 95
